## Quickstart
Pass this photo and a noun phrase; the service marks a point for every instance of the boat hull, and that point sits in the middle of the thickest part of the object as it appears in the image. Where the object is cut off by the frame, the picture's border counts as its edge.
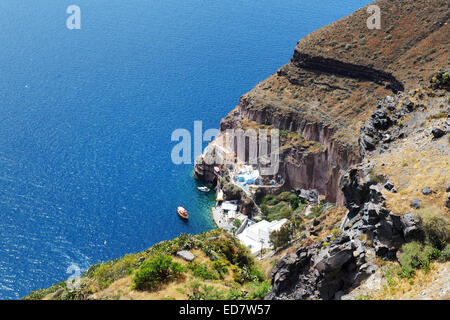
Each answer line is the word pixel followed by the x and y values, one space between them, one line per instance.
pixel 182 213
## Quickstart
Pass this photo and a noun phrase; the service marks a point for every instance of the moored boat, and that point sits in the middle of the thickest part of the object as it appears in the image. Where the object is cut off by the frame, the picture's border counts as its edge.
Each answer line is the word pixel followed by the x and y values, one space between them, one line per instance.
pixel 182 213
pixel 203 189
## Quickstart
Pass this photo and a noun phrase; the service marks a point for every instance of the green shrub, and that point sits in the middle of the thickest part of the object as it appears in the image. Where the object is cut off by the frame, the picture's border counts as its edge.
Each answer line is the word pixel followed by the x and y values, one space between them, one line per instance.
pixel 261 290
pixel 278 210
pixel 445 78
pixel 42 293
pixel 414 256
pixel 202 271
pixel 445 253
pixel 236 294
pixel 110 271
pixel 205 292
pixel 436 229
pixel 231 191
pixel 336 233
pixel 247 274
pixel 221 266
pixel 281 237
pixel 294 202
pixel 434 254
pixel 284 134
pixel 316 211
pixel 155 271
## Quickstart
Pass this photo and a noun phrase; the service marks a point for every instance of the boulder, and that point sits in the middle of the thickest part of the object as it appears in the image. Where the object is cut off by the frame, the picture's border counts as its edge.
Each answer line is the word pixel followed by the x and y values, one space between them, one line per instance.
pixel 309 195
pixel 380 120
pixel 437 133
pixel 446 124
pixel 368 143
pixel 416 204
pixel 409 105
pixel 369 268
pixel 427 191
pixel 186 255
pixel 389 185
pixel 412 226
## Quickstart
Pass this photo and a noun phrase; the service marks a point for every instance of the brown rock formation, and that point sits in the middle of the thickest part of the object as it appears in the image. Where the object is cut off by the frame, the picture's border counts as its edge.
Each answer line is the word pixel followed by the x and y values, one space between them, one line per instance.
pixel 331 85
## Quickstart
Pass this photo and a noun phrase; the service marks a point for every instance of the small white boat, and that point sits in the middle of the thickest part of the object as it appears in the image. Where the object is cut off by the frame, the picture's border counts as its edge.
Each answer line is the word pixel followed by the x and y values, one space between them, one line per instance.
pixel 182 213
pixel 204 189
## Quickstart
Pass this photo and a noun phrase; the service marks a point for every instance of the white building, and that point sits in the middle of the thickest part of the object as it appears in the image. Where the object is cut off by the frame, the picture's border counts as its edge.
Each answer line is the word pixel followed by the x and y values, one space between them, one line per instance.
pixel 256 237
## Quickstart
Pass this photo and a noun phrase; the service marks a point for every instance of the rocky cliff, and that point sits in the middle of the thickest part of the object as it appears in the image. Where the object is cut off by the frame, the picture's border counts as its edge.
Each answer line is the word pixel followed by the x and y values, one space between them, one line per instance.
pixel 360 95
pixel 376 226
pixel 331 85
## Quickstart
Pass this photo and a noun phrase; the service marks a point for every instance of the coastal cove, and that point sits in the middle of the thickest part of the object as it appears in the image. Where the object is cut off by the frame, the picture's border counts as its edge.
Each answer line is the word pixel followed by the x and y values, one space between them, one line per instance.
pixel 87 115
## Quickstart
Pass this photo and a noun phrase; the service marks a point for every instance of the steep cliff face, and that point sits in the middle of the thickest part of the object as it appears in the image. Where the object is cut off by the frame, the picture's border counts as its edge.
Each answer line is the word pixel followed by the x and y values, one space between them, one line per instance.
pixel 330 87
pixel 330 93
pixel 319 169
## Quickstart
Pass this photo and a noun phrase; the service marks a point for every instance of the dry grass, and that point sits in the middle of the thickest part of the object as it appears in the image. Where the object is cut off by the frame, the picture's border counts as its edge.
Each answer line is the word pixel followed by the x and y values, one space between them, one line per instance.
pixel 411 170
pixel 434 284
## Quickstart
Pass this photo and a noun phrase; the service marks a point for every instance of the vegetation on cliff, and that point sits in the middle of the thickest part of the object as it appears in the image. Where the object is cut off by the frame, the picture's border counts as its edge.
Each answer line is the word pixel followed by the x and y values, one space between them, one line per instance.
pixel 222 269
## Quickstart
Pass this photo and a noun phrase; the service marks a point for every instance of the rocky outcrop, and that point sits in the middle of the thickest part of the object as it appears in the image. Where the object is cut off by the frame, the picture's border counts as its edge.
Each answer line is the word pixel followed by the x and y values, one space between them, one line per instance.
pixel 329 268
pixel 319 170
pixel 441 80
pixel 381 129
pixel 323 94
pixel 185 255
pixel 205 172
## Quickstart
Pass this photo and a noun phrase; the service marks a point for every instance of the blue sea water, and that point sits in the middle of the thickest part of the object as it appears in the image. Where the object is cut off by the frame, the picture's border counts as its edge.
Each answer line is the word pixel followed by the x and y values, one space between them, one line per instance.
pixel 86 118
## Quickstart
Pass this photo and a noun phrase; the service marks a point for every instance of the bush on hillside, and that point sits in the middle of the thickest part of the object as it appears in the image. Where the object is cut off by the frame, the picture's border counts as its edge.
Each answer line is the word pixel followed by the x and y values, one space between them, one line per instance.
pixel 281 237
pixel 261 291
pixel 202 271
pixel 155 271
pixel 221 266
pixel 232 192
pixel 436 229
pixel 414 256
pixel 106 273
pixel 247 274
pixel 445 253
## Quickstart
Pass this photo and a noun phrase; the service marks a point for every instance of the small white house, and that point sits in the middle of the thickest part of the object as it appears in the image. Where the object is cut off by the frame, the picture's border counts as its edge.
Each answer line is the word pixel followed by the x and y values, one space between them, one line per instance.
pixel 229 206
pixel 256 237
